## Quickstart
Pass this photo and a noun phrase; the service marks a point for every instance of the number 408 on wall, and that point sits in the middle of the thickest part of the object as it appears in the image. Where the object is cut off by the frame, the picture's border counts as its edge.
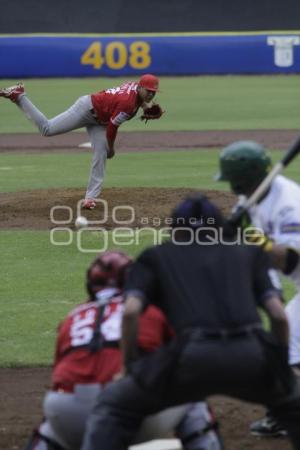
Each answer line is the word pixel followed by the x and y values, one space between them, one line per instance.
pixel 117 55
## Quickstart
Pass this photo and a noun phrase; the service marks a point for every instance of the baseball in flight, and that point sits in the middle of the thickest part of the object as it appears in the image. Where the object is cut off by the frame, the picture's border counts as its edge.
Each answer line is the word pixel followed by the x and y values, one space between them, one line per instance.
pixel 81 222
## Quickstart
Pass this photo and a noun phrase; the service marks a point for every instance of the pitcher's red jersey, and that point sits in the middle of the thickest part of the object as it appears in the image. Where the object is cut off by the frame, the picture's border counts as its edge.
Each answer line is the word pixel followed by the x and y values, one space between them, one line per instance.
pixel 116 105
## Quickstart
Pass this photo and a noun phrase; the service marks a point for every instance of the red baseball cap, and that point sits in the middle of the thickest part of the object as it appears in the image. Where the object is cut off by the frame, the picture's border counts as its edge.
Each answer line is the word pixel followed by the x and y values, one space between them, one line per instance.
pixel 149 82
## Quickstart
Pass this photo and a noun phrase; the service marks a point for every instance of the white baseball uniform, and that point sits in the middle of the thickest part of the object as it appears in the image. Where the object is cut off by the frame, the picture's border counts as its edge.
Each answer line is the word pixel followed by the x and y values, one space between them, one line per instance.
pixel 278 214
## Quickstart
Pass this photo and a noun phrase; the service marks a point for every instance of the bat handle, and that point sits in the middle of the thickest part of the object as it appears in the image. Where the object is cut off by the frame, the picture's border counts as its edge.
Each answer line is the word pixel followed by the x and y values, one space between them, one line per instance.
pixel 264 185
pixel 291 154
pixel 236 216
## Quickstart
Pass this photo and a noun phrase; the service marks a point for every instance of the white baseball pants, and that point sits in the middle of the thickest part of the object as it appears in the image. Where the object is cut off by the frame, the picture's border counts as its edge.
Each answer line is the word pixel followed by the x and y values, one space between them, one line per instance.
pixel 77 116
pixel 292 310
pixel 66 416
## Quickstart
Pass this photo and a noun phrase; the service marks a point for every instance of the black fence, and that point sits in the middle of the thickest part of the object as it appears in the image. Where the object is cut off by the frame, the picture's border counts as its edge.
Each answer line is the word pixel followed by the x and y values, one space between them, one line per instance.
pixel 136 16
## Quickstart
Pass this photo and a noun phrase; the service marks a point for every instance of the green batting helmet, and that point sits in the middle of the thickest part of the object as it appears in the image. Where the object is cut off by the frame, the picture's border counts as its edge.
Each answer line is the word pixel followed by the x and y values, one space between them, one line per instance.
pixel 244 164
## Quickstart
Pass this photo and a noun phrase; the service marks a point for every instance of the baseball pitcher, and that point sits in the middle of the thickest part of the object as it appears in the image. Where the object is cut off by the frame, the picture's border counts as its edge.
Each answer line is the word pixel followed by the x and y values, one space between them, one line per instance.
pixel 88 357
pixel 101 114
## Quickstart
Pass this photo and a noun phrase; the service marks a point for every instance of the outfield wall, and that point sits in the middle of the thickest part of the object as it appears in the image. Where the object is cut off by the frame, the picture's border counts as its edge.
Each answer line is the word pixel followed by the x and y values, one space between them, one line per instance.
pixel 24 56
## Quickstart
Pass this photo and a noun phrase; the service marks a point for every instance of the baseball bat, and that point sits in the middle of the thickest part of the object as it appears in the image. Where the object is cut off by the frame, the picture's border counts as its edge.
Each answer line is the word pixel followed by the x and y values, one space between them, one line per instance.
pixel 291 153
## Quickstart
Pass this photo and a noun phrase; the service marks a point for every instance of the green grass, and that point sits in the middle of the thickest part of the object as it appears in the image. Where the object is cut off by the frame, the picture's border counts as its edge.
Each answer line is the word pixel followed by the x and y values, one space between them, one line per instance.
pixel 24 172
pixel 192 168
pixel 191 103
pixel 40 282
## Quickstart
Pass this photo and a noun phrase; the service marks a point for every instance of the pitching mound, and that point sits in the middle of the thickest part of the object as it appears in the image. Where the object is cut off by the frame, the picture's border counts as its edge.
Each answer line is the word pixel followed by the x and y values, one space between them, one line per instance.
pixel 130 207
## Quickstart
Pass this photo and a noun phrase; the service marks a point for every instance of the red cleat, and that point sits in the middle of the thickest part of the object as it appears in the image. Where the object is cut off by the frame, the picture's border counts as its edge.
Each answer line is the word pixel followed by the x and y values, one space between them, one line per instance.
pixel 89 203
pixel 13 92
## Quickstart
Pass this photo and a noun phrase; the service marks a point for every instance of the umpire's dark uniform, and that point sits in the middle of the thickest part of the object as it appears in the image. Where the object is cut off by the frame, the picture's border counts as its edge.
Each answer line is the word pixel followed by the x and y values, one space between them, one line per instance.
pixel 210 294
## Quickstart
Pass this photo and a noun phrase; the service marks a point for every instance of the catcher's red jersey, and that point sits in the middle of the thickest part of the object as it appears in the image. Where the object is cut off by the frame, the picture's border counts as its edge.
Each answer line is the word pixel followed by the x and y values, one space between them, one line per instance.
pixel 75 363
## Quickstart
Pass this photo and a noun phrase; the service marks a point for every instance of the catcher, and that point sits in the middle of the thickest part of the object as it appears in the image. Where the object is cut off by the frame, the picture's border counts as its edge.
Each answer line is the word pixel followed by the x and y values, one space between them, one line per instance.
pixel 101 114
pixel 88 357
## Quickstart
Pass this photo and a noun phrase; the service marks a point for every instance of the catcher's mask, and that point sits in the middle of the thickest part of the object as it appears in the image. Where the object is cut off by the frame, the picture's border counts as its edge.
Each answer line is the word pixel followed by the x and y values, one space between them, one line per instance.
pixel 196 212
pixel 109 269
pixel 244 164
pixel 149 82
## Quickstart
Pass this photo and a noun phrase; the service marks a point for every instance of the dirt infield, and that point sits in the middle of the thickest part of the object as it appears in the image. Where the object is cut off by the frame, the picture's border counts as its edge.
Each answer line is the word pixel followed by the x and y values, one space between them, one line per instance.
pixel 147 140
pixel 150 207
pixel 22 390
pixel 21 397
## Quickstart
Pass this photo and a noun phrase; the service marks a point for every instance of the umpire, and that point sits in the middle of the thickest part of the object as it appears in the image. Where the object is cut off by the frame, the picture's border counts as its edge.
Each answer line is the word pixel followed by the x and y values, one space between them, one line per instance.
pixel 209 291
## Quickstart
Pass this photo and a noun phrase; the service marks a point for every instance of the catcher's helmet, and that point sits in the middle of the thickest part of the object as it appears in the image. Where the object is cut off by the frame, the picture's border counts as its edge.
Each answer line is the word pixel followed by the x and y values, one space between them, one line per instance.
pixel 107 270
pixel 244 164
pixel 196 212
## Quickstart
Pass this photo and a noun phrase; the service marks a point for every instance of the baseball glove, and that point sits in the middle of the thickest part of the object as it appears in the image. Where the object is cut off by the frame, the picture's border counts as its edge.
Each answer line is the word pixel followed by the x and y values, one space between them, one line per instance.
pixel 153 112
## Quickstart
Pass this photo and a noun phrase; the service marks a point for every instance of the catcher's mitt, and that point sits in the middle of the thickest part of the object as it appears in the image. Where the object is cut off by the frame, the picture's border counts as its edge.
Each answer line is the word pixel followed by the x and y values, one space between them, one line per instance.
pixel 153 112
